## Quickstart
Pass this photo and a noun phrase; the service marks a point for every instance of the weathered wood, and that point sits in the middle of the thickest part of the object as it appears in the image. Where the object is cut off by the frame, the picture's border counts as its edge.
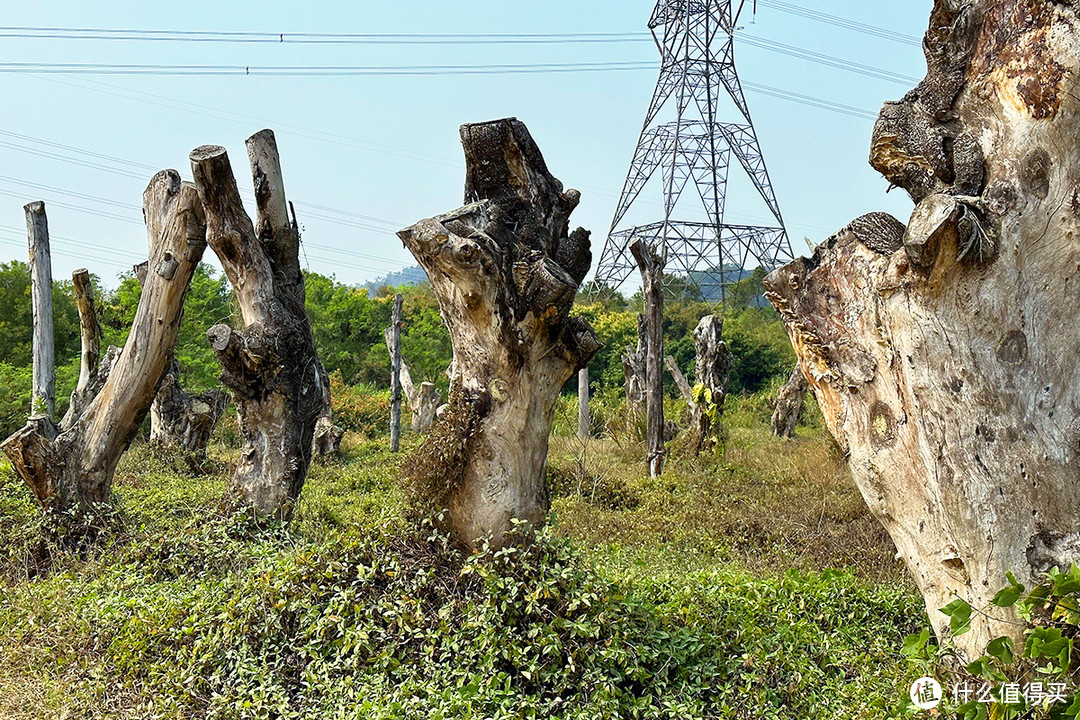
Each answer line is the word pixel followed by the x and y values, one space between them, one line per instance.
pixel 681 382
pixel 43 384
pixel 633 361
pixel 270 364
pixel 712 370
pixel 184 422
pixel 789 405
pixel 505 270
pixel 944 354
pixel 327 437
pixel 425 400
pixel 395 375
pixel 70 467
pixel 651 266
pixel 90 338
pixel 584 418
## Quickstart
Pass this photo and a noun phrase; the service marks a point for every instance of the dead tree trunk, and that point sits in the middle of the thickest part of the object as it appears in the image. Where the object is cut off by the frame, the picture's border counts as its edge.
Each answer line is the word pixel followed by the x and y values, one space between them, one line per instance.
pixel 395 376
pixel 90 336
pixel 505 271
pixel 944 354
pixel 270 364
pixel 70 467
pixel 713 364
pixel 425 401
pixel 584 419
pixel 789 405
pixel 633 362
pixel 43 394
pixel 184 422
pixel 651 266
pixel 326 440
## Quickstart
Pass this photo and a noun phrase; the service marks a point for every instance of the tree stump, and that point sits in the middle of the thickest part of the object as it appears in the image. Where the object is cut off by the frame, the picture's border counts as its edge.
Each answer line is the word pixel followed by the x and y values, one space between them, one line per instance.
pixel 651 265
pixel 70 466
pixel 712 372
pixel 183 422
pixel 634 375
pixel 270 364
pixel 944 354
pixel 424 400
pixel 43 392
pixel 789 405
pixel 505 271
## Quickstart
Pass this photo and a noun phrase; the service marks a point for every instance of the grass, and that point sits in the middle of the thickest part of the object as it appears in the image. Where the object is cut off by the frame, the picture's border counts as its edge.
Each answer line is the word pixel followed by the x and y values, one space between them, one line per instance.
pixel 748 585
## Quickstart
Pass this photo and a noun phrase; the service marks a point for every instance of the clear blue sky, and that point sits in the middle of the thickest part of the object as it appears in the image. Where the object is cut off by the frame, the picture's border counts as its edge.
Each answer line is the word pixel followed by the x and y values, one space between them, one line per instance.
pixel 387 147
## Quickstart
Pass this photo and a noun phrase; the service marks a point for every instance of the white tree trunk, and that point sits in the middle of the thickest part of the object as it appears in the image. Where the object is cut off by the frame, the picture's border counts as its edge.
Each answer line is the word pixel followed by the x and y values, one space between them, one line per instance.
pixel 944 354
pixel 505 270
pixel 43 394
pixel 70 467
pixel 584 419
pixel 270 364
pixel 712 370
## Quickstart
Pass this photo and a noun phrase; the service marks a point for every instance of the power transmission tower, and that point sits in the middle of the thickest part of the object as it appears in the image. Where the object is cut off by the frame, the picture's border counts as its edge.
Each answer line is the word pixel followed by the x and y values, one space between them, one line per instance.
pixel 696 43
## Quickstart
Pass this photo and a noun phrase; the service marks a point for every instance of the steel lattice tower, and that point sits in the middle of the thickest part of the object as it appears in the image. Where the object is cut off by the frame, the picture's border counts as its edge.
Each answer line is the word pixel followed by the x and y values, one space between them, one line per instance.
pixel 696 43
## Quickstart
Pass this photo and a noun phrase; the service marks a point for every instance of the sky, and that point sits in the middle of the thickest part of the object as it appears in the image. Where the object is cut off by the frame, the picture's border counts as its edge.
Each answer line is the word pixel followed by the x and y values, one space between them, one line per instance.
pixel 365 155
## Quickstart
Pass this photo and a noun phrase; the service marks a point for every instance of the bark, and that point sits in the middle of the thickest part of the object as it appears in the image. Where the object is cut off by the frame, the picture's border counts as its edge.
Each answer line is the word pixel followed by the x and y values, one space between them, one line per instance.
pixel 326 440
pixel 270 364
pixel 789 405
pixel 505 270
pixel 70 466
pixel 651 265
pixel 944 354
pixel 90 338
pixel 184 422
pixel 43 392
pixel 395 376
pixel 425 400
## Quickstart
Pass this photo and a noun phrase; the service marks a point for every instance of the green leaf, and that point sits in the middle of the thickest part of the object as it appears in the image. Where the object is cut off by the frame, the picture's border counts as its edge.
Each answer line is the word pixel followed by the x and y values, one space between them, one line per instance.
pixel 1003 649
pixel 1008 596
pixel 914 644
pixel 959 612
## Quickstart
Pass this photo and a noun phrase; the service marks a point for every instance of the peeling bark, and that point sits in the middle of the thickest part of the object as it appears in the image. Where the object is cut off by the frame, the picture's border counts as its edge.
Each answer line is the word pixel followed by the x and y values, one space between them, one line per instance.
pixel 651 265
pixel 944 354
pixel 270 364
pixel 505 270
pixel 70 466
pixel 43 392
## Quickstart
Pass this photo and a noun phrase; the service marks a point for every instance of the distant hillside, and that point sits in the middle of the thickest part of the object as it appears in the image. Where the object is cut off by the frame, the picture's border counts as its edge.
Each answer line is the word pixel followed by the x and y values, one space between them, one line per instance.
pixel 408 276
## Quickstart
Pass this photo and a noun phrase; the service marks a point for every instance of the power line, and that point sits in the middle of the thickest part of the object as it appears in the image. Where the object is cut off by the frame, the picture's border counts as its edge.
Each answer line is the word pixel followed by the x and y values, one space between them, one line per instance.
pixel 874 30
pixel 134 34
pixel 315 70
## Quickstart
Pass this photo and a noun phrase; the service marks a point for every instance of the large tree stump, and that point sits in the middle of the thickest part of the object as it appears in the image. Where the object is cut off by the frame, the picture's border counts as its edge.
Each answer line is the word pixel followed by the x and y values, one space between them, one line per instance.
pixel 944 355
pixel 789 405
pixel 424 399
pixel 270 364
pixel 184 422
pixel 70 466
pixel 505 271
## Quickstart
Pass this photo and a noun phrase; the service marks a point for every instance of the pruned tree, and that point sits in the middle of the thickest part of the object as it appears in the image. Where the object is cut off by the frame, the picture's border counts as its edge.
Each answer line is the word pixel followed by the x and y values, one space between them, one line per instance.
pixel 712 370
pixel 184 422
pixel 505 270
pixel 70 466
pixel 424 399
pixel 270 364
pixel 327 437
pixel 651 264
pixel 943 354
pixel 789 405
pixel 43 368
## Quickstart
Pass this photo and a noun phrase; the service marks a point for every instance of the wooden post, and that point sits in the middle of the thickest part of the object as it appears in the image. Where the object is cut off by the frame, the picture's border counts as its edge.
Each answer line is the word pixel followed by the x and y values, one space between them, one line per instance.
pixel 651 266
pixel 395 376
pixel 43 396
pixel 584 418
